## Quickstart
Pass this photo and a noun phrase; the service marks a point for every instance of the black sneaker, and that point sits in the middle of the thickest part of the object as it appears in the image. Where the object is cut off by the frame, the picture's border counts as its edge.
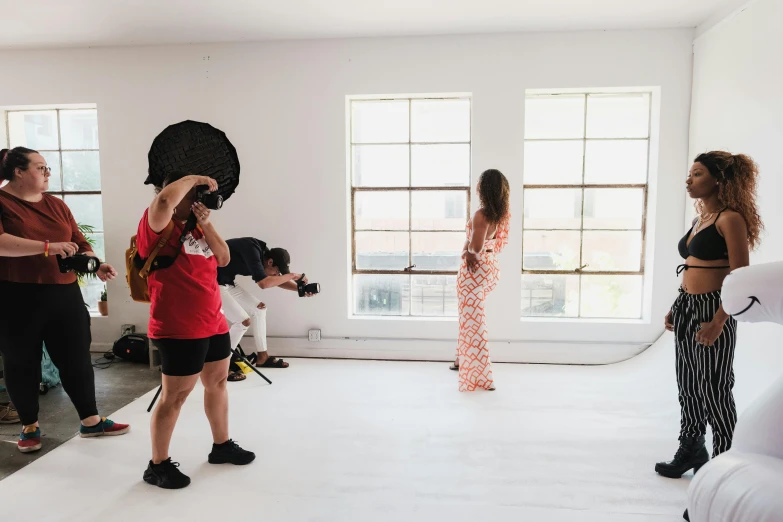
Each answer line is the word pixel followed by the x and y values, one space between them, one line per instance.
pixel 166 475
pixel 230 452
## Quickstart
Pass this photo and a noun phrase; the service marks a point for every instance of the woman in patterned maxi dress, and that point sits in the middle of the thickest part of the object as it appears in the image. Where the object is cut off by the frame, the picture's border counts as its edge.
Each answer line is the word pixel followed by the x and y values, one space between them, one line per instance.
pixel 487 234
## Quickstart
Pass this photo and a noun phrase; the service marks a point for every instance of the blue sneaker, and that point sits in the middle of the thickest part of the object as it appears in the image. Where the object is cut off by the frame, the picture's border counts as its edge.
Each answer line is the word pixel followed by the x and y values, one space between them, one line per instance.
pixel 105 427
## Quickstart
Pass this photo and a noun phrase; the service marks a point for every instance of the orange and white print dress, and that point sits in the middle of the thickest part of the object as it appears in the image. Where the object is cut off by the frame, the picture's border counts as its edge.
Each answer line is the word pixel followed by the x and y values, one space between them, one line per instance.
pixel 475 368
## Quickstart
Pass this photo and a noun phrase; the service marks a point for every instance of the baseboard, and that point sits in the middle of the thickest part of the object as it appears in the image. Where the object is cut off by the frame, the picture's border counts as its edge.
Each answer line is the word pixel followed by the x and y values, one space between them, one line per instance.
pixel 540 352
pixel 533 352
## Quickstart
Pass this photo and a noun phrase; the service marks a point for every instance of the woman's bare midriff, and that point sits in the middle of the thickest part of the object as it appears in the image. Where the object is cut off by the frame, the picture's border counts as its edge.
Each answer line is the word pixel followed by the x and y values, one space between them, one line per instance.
pixel 704 280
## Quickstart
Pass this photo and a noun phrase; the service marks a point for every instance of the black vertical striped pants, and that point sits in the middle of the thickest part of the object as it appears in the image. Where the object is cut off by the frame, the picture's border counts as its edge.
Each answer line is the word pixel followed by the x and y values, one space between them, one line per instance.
pixel 705 374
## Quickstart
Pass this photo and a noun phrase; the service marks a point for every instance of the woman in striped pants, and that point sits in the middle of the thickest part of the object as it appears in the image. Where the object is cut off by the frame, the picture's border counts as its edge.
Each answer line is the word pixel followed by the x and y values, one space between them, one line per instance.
pixel 727 227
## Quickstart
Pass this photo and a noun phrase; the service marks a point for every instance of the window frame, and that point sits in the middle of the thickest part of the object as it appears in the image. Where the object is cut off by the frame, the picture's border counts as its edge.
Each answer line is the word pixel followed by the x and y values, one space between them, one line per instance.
pixel 410 270
pixel 582 187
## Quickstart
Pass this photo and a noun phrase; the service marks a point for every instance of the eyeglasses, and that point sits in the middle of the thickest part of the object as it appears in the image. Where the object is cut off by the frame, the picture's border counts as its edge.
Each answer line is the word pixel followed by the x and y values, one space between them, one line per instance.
pixel 45 169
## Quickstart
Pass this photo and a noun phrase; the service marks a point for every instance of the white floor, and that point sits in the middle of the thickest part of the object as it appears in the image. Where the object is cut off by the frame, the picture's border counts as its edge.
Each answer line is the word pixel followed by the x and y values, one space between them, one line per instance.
pixel 391 441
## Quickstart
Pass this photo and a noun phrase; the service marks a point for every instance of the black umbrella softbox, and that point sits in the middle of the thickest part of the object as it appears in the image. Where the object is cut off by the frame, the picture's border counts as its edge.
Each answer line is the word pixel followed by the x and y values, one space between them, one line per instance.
pixel 197 148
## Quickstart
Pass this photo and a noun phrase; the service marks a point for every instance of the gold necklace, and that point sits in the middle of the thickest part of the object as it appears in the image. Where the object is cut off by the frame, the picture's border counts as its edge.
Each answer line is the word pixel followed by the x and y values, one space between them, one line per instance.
pixel 704 218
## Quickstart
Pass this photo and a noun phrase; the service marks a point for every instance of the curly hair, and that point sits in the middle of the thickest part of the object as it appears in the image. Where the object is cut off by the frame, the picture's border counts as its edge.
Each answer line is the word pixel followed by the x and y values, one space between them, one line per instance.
pixel 494 193
pixel 737 176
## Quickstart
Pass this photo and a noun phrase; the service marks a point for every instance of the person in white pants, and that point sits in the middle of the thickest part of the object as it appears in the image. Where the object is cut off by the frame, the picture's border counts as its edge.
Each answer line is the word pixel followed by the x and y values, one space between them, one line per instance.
pixel 269 269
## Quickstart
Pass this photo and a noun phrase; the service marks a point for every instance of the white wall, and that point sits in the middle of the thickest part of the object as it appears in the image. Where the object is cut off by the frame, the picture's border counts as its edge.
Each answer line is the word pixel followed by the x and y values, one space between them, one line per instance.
pixel 738 106
pixel 283 107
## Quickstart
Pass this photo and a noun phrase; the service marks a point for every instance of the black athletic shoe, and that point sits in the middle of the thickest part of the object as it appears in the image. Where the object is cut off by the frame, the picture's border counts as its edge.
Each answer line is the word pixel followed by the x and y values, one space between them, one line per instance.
pixel 166 475
pixel 692 454
pixel 230 452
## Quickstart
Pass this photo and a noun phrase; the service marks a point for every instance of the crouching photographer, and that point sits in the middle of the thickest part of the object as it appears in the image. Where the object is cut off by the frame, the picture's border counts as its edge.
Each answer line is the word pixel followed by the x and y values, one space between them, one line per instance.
pixel 269 269
pixel 41 247
pixel 186 322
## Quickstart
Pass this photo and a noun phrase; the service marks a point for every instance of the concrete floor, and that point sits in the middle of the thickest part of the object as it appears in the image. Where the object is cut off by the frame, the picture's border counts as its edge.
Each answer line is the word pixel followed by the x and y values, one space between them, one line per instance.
pixel 115 387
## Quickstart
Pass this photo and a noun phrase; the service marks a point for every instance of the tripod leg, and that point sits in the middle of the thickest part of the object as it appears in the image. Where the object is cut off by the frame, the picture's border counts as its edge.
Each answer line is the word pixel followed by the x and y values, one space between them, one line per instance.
pixel 155 398
pixel 239 353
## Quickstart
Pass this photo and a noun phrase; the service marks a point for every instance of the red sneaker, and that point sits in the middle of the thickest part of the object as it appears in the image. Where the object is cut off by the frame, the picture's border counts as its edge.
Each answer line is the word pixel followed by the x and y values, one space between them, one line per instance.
pixel 29 441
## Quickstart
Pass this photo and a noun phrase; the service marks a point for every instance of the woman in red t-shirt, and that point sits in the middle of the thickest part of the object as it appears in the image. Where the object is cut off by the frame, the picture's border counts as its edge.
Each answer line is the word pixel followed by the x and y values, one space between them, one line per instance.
pixel 40 303
pixel 187 324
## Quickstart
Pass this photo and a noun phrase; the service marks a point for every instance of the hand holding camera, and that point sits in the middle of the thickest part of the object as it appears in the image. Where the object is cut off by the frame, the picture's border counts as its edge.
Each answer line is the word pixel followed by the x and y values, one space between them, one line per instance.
pixel 307 289
pixel 202 213
pixel 65 249
pixel 211 184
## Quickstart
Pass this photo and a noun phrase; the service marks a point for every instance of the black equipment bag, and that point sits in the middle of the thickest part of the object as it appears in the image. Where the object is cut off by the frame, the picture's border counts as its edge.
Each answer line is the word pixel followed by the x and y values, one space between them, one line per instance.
pixel 133 347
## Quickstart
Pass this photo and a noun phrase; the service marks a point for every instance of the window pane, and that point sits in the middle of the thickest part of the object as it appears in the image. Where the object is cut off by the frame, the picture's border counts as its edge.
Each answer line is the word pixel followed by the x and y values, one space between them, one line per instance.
pixel 91 292
pixel 553 208
pixel 434 296
pixel 381 294
pixel 380 121
pixel 382 250
pixel 550 295
pixel 614 208
pixel 550 250
pixel 612 296
pixel 553 162
pixel 616 161
pixel 380 165
pixel 612 251
pixel 437 250
pixel 440 165
pixel 55 180
pixel 79 129
pixel 34 129
pixel 439 121
pixel 618 115
pixel 81 171
pixel 554 116
pixel 98 245
pixel 86 210
pixel 441 210
pixel 382 210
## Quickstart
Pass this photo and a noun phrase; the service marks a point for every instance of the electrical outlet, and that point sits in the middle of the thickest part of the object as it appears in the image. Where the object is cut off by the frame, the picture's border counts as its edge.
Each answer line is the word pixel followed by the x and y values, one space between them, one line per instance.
pixel 314 336
pixel 127 329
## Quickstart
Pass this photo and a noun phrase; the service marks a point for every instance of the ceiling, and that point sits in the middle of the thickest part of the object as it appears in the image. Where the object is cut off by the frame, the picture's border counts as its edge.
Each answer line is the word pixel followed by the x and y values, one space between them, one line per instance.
pixel 80 23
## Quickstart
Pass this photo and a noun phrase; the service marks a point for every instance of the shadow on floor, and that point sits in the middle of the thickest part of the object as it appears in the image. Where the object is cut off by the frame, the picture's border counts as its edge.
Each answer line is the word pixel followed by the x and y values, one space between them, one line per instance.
pixel 115 387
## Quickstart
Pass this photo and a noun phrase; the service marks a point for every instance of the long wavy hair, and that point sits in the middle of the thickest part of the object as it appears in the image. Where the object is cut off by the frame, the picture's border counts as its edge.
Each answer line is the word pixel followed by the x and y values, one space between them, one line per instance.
pixel 494 193
pixel 737 176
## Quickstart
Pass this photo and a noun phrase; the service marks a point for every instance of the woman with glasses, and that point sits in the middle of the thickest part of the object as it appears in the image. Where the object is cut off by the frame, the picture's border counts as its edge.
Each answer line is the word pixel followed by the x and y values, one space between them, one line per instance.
pixel 40 303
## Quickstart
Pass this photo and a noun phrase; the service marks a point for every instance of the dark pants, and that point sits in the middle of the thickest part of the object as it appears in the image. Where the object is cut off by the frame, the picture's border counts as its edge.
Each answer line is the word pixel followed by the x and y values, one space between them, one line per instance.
pixel 34 314
pixel 705 374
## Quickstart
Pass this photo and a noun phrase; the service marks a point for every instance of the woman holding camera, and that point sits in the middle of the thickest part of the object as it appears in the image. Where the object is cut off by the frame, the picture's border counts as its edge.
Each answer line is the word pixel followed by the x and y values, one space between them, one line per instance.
pixel 42 304
pixel 186 323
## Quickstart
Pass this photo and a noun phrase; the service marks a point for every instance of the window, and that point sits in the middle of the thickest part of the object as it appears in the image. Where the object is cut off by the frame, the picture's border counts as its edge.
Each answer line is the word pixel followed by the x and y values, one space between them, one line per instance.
pixel 410 195
pixel 585 194
pixel 68 139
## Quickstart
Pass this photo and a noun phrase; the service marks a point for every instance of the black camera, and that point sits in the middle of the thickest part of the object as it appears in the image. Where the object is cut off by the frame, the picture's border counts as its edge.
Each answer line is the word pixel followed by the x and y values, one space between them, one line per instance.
pixel 78 263
pixel 306 288
pixel 209 199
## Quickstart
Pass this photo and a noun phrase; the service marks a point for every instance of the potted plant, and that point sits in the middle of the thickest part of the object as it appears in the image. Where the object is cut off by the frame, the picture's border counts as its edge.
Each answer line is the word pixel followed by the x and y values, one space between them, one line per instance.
pixel 103 304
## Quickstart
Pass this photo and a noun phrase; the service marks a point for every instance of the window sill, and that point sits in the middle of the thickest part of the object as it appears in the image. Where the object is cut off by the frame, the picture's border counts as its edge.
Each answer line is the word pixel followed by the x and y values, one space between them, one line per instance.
pixel 96 314
pixel 578 320
pixel 403 318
